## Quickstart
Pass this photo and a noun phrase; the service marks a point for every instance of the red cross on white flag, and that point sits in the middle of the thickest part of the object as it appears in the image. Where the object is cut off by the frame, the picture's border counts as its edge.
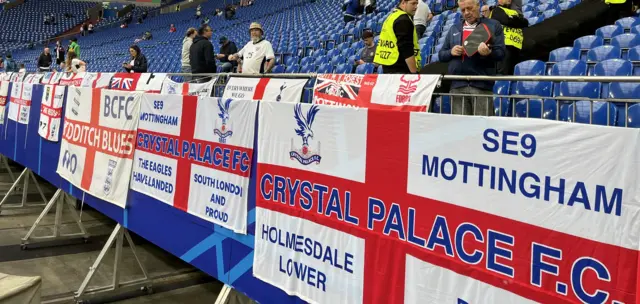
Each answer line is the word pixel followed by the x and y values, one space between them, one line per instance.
pixel 98 141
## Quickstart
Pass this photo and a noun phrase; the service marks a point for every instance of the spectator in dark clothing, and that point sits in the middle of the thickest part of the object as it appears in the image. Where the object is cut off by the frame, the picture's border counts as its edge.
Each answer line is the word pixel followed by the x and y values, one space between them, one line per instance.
pixel 482 63
pixel 201 54
pixel 144 15
pixel 229 12
pixel 138 63
pixel 351 9
pixel 227 48
pixel 59 53
pixel 512 24
pixel 44 61
pixel 368 52
pixel 399 27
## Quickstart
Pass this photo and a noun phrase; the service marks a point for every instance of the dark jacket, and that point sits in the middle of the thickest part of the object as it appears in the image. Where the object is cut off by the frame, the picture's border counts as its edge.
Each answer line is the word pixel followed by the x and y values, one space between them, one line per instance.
pixel 403 28
pixel 476 64
pixel 201 56
pixel 518 21
pixel 140 64
pixel 228 49
pixel 45 60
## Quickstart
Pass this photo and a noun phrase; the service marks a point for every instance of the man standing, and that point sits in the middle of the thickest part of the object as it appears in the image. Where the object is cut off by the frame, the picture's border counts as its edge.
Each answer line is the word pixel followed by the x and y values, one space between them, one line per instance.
pixel 44 62
pixel 59 53
pixel 74 47
pixel 512 23
pixel 201 53
pixel 422 17
pixel 482 62
pixel 227 48
pixel 398 50
pixel 257 56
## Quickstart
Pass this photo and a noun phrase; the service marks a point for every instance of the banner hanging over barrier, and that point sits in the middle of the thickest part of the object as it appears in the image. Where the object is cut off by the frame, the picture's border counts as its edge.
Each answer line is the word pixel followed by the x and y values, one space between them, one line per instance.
pixel 492 209
pixel 145 82
pixel 67 79
pixel 4 92
pixel 170 87
pixel 269 89
pixel 374 91
pixel 97 146
pixel 195 154
pixel 51 111
pixel 20 102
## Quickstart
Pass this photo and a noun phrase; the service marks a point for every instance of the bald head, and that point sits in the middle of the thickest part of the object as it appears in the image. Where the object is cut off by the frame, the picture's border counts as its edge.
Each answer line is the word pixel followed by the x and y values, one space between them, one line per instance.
pixel 46 50
pixel 470 10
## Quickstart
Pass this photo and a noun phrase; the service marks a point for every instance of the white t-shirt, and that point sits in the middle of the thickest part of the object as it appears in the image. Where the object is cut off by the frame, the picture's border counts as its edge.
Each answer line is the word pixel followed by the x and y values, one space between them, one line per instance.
pixel 254 55
pixel 75 62
pixel 422 14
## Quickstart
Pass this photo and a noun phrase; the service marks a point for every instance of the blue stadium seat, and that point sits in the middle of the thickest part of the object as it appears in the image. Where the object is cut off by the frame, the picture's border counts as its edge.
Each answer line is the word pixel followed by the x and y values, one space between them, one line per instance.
pixel 535 20
pixel 343 69
pixel 611 67
pixel 379 70
pixel 623 90
pixel 502 105
pixel 336 60
pixel 586 43
pixel 325 68
pixel 534 107
pixel 628 23
pixel 307 69
pixel 278 69
pixel 291 60
pixel 564 53
pixel 551 12
pixel 366 68
pixel 294 68
pixel 609 31
pixel 633 120
pixel 634 57
pixel 603 52
pixel 442 105
pixel 624 42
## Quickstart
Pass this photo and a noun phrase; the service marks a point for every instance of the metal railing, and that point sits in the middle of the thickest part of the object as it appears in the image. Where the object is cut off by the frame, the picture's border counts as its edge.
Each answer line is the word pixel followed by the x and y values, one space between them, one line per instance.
pixel 582 109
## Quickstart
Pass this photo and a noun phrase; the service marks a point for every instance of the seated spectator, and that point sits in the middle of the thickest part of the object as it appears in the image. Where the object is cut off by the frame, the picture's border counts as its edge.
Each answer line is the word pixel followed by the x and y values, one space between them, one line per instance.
pixel 138 63
pixel 205 20
pixel 368 52
pixel 147 36
pixel 172 29
pixel 227 48
pixel 90 27
pixel 53 19
pixel 139 20
pixel 144 14
pixel 229 12
pixel 124 25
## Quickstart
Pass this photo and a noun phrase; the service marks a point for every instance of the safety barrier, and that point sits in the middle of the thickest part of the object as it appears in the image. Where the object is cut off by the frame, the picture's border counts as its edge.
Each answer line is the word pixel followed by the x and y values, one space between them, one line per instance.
pixel 286 201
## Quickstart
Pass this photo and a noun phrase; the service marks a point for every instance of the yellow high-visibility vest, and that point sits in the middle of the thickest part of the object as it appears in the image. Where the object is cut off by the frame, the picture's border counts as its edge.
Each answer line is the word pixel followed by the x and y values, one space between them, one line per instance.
pixel 387 52
pixel 614 1
pixel 512 36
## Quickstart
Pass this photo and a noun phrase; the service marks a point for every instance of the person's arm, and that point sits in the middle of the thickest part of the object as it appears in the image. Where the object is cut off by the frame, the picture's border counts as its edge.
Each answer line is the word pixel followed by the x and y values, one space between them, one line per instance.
pixel 497 46
pixel 271 58
pixel 517 21
pixel 142 67
pixel 444 55
pixel 403 27
pixel 232 49
pixel 209 59
pixel 41 61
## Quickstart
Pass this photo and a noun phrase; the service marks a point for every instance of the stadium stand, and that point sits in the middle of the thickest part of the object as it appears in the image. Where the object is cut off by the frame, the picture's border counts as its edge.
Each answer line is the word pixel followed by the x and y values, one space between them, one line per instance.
pixel 27 21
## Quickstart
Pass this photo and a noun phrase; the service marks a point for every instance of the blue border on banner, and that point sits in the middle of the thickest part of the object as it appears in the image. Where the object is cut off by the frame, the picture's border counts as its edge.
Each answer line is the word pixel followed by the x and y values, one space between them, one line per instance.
pixel 213 249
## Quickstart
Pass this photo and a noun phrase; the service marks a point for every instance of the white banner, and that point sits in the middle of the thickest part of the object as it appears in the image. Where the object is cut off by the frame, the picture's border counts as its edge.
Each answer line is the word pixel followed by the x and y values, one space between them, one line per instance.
pixel 311 261
pixel 376 91
pixel 67 79
pixel 51 111
pixel 20 102
pixel 56 77
pixel 150 82
pixel 17 77
pixel 103 81
pixel 4 92
pixel 98 141
pixel 194 161
pixel 33 78
pixel 267 89
pixel 170 87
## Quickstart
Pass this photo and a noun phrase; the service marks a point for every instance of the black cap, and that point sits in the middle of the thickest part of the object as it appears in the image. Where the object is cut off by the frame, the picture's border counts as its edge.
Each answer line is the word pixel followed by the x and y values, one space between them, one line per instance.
pixel 223 39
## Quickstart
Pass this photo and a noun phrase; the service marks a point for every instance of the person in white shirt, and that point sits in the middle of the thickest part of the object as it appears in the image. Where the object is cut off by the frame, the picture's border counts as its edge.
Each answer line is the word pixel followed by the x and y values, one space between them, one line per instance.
pixel 422 17
pixel 257 56
pixel 186 47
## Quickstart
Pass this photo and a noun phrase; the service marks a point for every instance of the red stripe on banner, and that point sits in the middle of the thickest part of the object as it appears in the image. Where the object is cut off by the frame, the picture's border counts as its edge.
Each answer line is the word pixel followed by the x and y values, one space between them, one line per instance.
pixel 20 101
pixel 90 154
pixel 51 111
pixel 187 130
pixel 260 88
pixel 185 89
pixel 420 221
pixel 3 100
